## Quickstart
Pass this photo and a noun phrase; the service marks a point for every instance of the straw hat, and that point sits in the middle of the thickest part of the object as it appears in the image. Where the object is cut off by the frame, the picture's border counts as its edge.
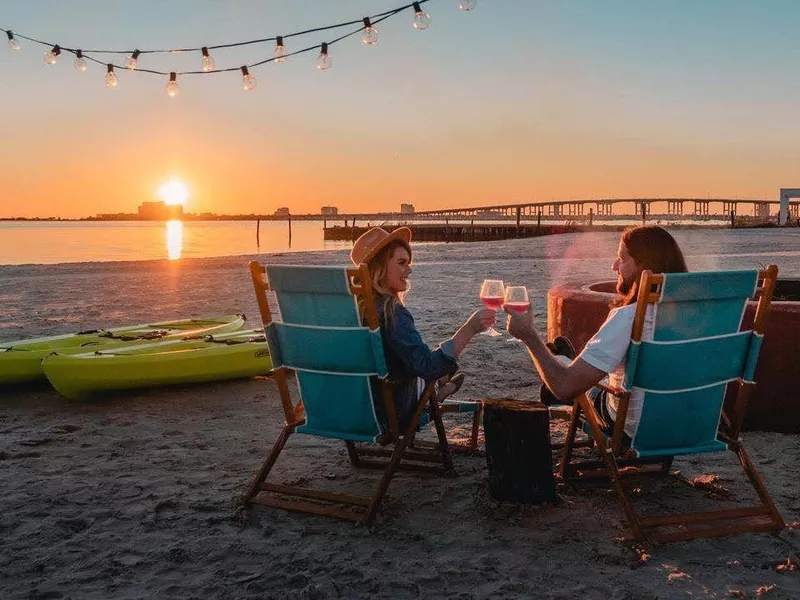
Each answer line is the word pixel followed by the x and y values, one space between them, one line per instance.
pixel 372 241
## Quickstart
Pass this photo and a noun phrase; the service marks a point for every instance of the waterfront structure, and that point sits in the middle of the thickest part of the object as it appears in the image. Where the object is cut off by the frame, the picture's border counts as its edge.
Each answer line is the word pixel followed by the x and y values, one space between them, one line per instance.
pixel 160 211
pixel 329 211
pixel 787 193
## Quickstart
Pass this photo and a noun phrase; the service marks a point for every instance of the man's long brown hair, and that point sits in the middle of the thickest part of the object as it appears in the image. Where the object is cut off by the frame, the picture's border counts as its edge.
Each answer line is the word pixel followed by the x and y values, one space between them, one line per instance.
pixel 653 249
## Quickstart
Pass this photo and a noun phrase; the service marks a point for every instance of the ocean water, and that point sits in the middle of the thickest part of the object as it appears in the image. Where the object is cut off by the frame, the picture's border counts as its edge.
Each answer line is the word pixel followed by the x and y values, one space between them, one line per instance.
pixel 54 242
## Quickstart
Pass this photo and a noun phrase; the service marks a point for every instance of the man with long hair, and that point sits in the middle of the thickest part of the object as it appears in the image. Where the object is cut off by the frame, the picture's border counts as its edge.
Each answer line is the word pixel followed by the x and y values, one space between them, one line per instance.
pixel 565 376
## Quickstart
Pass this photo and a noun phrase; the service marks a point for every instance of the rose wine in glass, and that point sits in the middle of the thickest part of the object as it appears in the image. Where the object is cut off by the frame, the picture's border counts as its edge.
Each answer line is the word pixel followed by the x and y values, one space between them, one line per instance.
pixel 492 294
pixel 517 298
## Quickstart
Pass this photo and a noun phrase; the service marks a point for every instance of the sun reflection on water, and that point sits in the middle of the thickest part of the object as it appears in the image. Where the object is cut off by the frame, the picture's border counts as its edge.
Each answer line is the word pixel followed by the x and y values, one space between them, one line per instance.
pixel 174 239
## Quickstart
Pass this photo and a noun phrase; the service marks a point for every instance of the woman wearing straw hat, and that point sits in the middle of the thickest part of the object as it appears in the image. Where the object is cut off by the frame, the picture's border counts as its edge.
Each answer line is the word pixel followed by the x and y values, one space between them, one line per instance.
pixel 410 362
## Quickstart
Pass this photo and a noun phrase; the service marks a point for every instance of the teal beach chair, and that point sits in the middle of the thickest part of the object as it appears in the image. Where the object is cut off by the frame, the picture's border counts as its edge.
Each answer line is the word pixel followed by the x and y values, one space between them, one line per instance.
pixel 683 372
pixel 340 368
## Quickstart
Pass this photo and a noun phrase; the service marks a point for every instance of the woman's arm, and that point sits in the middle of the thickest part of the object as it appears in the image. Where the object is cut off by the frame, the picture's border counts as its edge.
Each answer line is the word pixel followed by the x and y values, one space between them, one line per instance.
pixel 418 358
pixel 477 322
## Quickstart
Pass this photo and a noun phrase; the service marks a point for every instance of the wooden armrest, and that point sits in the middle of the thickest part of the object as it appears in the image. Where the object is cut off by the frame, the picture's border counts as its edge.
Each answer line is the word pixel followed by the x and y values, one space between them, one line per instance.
pixel 613 391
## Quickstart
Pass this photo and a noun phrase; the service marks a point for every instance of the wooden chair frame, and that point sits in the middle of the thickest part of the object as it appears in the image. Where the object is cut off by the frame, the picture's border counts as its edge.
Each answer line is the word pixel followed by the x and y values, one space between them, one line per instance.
pixel 404 454
pixel 764 517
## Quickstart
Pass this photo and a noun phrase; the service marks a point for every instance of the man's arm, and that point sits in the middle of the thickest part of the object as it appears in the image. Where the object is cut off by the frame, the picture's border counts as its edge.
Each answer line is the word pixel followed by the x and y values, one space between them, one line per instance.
pixel 565 381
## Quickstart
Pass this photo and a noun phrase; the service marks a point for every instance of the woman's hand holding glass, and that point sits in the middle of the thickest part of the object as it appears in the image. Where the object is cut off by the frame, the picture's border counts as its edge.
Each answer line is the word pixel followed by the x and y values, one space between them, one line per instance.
pixel 481 320
pixel 492 294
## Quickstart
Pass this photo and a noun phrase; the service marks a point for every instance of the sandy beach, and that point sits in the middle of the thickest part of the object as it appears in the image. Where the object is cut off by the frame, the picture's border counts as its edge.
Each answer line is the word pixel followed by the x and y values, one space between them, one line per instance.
pixel 137 495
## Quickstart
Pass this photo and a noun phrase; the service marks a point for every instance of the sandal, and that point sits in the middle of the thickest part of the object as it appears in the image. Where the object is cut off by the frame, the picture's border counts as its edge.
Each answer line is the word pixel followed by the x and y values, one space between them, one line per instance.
pixel 452 386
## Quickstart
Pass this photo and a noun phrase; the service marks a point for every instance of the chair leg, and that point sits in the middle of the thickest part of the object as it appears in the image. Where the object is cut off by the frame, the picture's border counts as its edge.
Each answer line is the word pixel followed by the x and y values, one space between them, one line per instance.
pixel 394 461
pixel 386 479
pixel 569 441
pixel 476 425
pixel 444 447
pixel 758 485
pixel 611 465
pixel 355 459
pixel 266 467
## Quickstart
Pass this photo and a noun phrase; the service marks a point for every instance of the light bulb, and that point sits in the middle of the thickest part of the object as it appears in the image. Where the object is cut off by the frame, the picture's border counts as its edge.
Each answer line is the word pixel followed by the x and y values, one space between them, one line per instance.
pixel 370 36
pixel 131 62
pixel 208 61
pixel 249 82
pixel 324 61
pixel 280 51
pixel 80 62
pixel 422 20
pixel 111 77
pixel 467 4
pixel 12 41
pixel 51 55
pixel 172 85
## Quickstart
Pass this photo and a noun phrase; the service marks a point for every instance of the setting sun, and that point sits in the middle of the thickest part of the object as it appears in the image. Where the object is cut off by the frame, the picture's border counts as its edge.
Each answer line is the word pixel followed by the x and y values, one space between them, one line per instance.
pixel 173 191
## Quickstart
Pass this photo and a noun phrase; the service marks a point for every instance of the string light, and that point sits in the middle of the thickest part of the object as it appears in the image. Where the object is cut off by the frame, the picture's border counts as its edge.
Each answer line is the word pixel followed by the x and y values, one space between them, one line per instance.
pixel 80 62
pixel 51 55
pixel 324 61
pixel 172 85
pixel 111 77
pixel 208 60
pixel 249 82
pixel 422 20
pixel 279 56
pixel 12 41
pixel 132 62
pixel 370 36
pixel 363 25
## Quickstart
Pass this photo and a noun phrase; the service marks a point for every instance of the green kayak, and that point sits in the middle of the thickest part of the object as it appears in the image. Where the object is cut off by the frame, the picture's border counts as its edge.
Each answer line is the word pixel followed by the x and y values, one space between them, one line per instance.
pixel 20 361
pixel 192 360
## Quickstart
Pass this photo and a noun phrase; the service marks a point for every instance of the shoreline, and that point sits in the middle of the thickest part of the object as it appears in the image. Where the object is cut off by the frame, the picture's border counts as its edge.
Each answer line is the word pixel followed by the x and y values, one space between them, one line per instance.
pixel 579 230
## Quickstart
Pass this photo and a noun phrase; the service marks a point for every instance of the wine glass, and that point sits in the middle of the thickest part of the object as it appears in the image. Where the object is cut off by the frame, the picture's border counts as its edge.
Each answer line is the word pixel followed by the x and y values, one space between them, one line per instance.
pixel 491 294
pixel 516 298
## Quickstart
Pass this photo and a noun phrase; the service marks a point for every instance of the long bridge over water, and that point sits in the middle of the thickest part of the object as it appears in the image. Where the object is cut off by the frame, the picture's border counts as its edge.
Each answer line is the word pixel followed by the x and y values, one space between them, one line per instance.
pixel 683 209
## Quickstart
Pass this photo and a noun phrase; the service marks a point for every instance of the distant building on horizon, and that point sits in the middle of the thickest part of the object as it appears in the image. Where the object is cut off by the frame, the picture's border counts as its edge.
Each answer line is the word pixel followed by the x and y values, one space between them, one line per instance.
pixel 281 212
pixel 115 216
pixel 406 209
pixel 160 211
pixel 329 211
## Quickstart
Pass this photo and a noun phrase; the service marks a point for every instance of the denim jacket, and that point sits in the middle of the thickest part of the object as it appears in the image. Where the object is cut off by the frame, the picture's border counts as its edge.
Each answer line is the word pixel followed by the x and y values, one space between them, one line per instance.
pixel 409 358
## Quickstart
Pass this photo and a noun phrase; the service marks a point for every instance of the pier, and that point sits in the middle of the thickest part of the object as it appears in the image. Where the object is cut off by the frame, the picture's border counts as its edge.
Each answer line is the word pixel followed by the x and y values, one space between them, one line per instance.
pixel 508 221
pixel 458 233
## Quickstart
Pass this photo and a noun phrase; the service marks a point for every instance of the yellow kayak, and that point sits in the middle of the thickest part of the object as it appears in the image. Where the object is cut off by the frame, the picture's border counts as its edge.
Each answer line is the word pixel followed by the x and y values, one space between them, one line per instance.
pixel 20 361
pixel 192 360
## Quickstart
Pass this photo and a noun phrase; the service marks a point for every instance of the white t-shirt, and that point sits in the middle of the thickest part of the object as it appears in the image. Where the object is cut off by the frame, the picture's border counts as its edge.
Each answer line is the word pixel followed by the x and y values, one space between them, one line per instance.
pixel 607 351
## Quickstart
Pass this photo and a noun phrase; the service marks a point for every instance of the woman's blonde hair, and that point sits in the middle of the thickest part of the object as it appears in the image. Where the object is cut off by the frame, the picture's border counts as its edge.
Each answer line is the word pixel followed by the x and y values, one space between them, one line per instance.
pixel 378 268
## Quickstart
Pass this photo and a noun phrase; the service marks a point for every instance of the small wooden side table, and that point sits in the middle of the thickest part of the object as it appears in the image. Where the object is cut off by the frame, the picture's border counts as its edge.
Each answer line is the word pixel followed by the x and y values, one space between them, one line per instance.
pixel 518 451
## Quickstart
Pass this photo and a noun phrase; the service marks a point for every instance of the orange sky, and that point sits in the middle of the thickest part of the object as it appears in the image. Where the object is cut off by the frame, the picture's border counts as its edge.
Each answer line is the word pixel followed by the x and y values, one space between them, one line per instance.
pixel 428 117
